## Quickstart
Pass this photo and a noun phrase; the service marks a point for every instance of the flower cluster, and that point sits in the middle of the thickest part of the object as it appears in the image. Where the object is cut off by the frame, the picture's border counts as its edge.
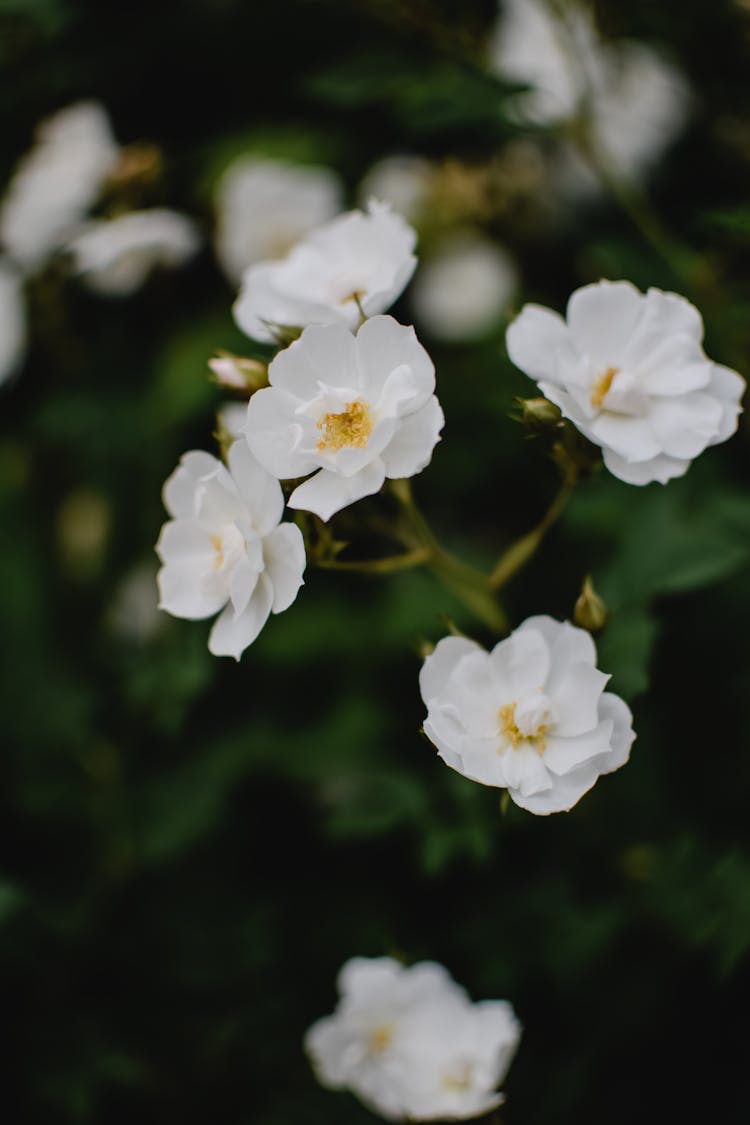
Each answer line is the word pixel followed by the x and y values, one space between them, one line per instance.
pixel 410 1043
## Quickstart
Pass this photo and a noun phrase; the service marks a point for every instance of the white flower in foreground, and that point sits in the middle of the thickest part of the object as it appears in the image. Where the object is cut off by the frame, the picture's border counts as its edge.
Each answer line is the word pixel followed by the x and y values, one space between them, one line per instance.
pixel 225 548
pixel 531 716
pixel 403 181
pixel 116 256
pixel 629 371
pixel 357 409
pixel 57 182
pixel 12 321
pixel 410 1043
pixel 266 206
pixel 361 260
pixel 463 288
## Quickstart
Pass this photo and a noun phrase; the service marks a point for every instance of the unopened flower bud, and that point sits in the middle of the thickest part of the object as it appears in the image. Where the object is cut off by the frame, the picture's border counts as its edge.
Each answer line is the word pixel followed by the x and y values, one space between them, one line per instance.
pixel 538 413
pixel 590 611
pixel 239 373
pixel 137 164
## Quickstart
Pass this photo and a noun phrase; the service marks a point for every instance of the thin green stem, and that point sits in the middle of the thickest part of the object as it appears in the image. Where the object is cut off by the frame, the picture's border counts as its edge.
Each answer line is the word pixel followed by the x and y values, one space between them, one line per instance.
pixel 388 565
pixel 519 553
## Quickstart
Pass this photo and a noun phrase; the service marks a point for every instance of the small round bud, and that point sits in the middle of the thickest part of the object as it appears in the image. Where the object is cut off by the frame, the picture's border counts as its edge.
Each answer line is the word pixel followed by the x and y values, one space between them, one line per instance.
pixel 239 373
pixel 590 611
pixel 539 413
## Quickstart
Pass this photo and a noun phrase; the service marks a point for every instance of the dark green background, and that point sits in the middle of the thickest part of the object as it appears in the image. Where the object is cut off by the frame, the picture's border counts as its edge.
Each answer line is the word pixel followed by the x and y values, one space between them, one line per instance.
pixel 190 849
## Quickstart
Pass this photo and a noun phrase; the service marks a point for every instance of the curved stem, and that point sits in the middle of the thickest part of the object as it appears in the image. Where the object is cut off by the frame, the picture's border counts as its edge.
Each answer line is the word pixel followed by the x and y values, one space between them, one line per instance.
pixel 388 565
pixel 519 553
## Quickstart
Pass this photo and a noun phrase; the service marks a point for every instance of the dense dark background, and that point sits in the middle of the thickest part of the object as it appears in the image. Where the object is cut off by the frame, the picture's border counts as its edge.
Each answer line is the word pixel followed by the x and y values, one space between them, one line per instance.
pixel 190 849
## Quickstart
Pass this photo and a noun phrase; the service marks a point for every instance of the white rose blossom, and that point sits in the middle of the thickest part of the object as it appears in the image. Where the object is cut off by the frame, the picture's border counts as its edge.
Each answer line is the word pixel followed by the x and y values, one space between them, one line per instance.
pixel 629 370
pixel 531 716
pixel 352 409
pixel 57 182
pixel 12 321
pixel 265 206
pixel 225 549
pixel 358 263
pixel 115 256
pixel 410 1044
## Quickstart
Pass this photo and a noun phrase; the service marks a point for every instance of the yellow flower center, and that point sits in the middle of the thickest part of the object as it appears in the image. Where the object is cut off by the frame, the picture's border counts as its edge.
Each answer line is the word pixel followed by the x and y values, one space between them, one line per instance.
pixel 350 429
pixel 218 545
pixel 380 1038
pixel 461 1080
pixel 600 389
pixel 516 737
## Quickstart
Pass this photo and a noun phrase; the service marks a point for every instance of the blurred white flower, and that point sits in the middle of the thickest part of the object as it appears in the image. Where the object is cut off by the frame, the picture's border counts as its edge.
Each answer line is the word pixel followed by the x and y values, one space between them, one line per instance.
pixel 116 256
pixel 232 418
pixel 56 183
pixel 225 548
pixel 134 613
pixel 12 321
pixel 531 716
pixel 264 207
pixel 402 181
pixel 357 409
pixel 463 287
pixel 411 1045
pixel 637 102
pixel 359 261
pixel 629 371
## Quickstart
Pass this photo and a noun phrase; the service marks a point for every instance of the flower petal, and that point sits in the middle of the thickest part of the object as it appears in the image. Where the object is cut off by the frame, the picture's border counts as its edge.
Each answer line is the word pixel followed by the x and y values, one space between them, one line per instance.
pixel 565 793
pixel 274 433
pixel 178 493
pixel 185 590
pixel 661 468
pixel 410 449
pixel 522 663
pixel 324 353
pixel 284 554
pixel 728 387
pixel 601 319
pixel 565 755
pixel 184 540
pixel 260 491
pixel 327 493
pixel 441 663
pixel 533 340
pixel 231 634
pixel 614 709
pixel 383 345
pixel 575 691
pixel 686 425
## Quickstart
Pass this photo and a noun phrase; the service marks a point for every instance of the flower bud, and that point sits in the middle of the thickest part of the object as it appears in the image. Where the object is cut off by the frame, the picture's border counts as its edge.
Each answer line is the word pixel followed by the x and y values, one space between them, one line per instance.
pixel 590 611
pixel 538 413
pixel 239 373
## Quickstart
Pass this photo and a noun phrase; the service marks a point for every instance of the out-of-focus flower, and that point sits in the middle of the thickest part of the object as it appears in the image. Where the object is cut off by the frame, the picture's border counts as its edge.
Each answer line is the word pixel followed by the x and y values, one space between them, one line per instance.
pixel 357 409
pixel 116 256
pixel 402 181
pixel 629 371
pixel 56 183
pixel 463 287
pixel 12 321
pixel 636 102
pixel 225 548
pixel 410 1043
pixel 134 613
pixel 264 207
pixel 238 372
pixel 531 716
pixel 232 419
pixel 359 262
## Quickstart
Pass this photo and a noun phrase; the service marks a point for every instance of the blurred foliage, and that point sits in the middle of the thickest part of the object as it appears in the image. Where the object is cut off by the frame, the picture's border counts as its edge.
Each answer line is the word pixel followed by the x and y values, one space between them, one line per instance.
pixel 190 848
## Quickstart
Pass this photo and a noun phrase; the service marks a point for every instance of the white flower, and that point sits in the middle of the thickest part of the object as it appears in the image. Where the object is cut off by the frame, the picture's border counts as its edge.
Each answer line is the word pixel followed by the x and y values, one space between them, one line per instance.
pixel 116 256
pixel 356 408
pixel 361 260
pixel 403 181
pixel 629 370
pixel 463 287
pixel 266 206
pixel 12 321
pixel 225 549
pixel 531 716
pixel 57 182
pixel 410 1043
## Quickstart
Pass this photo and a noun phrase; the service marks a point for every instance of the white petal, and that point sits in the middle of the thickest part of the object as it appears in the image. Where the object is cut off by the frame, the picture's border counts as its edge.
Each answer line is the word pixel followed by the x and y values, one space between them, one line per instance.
pixel 327 493
pixel 565 755
pixel 383 345
pixel 179 490
pixel 522 662
pixel 533 340
pixel 601 319
pixel 567 643
pixel 185 540
pixel 273 433
pixel 322 354
pixel 410 449
pixel 441 663
pixel 12 321
pixel 627 436
pixel 575 691
pixel 728 387
pixel 284 554
pixel 684 426
pixel 231 634
pixel 260 491
pixel 185 590
pixel 661 468
pixel 244 580
pixel 525 772
pixel 614 709
pixel 674 365
pixel 565 793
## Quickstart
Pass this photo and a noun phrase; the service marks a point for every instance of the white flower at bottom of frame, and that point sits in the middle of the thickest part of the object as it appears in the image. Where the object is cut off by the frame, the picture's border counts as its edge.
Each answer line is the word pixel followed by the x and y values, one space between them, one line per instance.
pixel 531 716
pixel 410 1044
pixel 359 262
pixel 225 549
pixel 356 408
pixel 629 370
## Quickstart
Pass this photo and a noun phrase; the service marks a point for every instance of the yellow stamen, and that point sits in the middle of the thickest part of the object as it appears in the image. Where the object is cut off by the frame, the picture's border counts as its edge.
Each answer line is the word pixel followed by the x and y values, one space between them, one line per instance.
pixel 601 386
pixel 218 545
pixel 350 429
pixel 380 1038
pixel 511 733
pixel 460 1081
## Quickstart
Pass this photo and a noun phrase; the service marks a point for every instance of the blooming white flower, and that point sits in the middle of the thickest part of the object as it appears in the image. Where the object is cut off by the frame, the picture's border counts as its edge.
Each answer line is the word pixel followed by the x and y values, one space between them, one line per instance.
pixel 232 417
pixel 629 370
pixel 266 206
pixel 115 256
pixel 401 180
pixel 531 716
pixel 410 1043
pixel 463 287
pixel 359 261
pixel 57 182
pixel 225 548
pixel 636 100
pixel 356 408
pixel 12 321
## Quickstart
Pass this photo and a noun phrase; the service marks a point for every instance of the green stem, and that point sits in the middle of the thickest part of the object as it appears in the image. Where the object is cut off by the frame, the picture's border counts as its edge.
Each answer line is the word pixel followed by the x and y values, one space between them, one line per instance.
pixel 418 557
pixel 519 553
